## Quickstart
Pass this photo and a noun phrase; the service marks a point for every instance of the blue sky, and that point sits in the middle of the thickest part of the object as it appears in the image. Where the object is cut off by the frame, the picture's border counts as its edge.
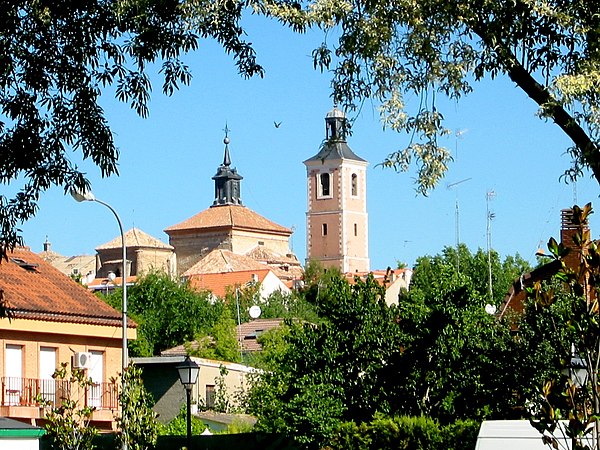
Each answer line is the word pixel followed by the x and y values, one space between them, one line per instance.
pixel 167 161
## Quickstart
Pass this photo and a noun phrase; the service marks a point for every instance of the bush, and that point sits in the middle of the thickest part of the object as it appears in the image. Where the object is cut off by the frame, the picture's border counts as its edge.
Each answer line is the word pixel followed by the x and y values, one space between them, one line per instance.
pixel 410 433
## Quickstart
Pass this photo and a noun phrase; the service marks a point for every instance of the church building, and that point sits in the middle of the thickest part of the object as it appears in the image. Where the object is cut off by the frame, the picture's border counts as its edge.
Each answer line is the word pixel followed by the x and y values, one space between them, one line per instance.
pixel 231 226
pixel 337 222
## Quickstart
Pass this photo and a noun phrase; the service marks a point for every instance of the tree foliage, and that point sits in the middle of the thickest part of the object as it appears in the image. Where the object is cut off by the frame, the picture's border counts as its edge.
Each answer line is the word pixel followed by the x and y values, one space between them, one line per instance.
pixel 432 355
pixel 393 50
pixel 56 58
pixel 167 313
pixel 453 344
pixel 432 272
pixel 138 426
pixel 563 397
pixel 330 372
pixel 220 342
pixel 68 420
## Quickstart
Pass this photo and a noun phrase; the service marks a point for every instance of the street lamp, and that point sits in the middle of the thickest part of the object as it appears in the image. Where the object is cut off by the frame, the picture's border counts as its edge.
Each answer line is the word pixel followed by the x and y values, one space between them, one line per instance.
pixel 87 196
pixel 188 375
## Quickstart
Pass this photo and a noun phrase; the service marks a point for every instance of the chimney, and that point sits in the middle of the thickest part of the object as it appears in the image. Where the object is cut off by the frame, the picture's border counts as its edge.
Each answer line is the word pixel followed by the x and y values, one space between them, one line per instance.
pixel 568 232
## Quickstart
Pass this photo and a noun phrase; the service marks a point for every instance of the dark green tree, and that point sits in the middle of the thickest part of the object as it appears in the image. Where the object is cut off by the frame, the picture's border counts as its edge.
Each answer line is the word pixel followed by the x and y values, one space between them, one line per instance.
pixel 452 344
pixel 431 355
pixel 332 371
pixel 221 341
pixel 167 313
pixel 431 272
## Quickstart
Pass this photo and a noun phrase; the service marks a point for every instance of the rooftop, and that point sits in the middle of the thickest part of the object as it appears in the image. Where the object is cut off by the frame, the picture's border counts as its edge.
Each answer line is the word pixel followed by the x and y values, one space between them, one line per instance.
pixel 35 290
pixel 229 217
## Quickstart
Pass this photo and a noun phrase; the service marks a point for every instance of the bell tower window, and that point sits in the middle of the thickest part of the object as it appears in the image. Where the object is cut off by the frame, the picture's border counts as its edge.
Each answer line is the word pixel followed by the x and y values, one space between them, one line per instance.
pixel 354 185
pixel 324 229
pixel 324 181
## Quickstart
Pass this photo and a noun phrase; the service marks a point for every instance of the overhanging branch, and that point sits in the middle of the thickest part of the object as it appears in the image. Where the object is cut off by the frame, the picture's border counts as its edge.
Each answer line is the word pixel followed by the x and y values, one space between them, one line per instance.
pixel 538 93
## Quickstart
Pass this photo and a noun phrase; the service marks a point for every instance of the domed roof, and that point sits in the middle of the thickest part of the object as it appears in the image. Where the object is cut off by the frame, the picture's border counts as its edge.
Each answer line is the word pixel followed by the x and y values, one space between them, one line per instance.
pixel 335 113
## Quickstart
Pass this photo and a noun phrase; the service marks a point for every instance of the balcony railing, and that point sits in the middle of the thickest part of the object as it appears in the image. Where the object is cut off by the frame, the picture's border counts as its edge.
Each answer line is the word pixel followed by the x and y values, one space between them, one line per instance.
pixel 25 391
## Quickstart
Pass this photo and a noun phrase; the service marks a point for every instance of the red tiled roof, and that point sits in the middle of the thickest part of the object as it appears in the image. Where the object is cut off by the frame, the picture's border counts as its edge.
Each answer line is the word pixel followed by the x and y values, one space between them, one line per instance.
pixel 35 290
pixel 230 217
pixel 117 282
pixel 218 283
pixel 250 331
pixel 380 276
pixel 135 238
pixel 219 261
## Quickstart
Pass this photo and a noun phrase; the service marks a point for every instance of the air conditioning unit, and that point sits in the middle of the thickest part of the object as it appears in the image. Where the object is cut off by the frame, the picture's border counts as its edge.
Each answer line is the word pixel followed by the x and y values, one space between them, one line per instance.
pixel 81 360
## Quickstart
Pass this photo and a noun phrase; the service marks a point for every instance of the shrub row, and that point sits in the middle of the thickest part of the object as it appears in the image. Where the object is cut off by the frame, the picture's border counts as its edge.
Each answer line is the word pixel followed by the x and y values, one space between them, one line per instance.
pixel 410 433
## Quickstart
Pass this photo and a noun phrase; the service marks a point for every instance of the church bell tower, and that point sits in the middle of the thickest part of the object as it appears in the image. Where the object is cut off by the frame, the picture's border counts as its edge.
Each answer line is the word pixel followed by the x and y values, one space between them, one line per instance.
pixel 337 221
pixel 227 180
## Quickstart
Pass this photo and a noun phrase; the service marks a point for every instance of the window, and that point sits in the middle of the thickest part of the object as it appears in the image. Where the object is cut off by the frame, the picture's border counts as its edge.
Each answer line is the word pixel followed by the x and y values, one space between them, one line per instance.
pixel 324 185
pixel 96 373
pixel 47 368
pixel 13 381
pixel 324 229
pixel 355 230
pixel 354 184
pixel 210 396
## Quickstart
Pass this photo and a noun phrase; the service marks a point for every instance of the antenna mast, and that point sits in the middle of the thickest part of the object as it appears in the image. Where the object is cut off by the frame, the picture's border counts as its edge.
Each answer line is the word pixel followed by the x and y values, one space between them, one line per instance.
pixel 457 221
pixel 490 215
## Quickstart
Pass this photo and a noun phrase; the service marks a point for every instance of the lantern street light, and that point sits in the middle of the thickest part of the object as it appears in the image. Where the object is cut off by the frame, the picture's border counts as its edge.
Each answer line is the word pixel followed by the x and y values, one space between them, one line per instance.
pixel 188 375
pixel 87 196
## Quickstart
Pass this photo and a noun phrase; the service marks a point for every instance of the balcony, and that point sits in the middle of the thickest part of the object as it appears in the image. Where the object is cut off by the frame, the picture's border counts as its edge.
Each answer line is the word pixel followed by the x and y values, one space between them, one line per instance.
pixel 19 396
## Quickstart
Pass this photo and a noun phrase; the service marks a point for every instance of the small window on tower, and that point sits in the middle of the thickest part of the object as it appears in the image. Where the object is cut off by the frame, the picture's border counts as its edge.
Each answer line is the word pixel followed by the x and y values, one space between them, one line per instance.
pixel 355 230
pixel 324 185
pixel 354 184
pixel 324 229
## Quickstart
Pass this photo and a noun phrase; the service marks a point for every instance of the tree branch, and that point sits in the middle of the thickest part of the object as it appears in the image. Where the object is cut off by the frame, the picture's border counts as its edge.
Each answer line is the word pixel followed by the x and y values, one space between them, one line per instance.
pixel 538 93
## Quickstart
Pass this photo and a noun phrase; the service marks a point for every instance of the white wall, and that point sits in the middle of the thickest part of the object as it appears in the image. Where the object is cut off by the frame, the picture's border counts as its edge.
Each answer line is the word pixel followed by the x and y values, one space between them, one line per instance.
pixel 20 444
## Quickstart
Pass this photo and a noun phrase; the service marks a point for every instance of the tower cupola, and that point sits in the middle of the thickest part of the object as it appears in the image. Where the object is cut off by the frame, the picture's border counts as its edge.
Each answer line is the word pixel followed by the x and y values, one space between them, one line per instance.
pixel 335 125
pixel 227 180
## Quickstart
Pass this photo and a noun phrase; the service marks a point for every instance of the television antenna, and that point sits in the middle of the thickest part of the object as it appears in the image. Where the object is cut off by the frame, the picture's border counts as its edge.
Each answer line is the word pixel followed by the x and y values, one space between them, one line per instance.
pixel 490 215
pixel 457 219
pixel 458 134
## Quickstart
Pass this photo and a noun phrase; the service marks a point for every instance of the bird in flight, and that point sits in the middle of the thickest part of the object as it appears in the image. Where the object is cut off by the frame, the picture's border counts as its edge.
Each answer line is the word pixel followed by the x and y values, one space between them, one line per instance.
pixel 277 124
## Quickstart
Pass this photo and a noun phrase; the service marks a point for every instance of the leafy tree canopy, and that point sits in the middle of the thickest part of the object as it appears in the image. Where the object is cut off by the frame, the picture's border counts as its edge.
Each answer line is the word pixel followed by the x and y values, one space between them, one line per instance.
pixel 431 355
pixel 391 50
pixel 167 313
pixel 433 272
pixel 55 59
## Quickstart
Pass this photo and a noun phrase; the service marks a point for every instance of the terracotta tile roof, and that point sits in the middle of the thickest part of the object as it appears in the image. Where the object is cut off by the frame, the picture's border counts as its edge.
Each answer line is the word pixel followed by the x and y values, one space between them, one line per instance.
pixel 264 254
pixel 99 283
pixel 36 290
pixel 246 332
pixel 135 238
pixel 250 331
pixel 181 349
pixel 381 276
pixel 217 283
pixel 230 217
pixel 66 264
pixel 219 261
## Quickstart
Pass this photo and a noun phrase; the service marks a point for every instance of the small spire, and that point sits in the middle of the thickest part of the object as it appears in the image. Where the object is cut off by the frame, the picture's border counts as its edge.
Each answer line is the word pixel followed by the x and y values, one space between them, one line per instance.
pixel 226 158
pixel 227 180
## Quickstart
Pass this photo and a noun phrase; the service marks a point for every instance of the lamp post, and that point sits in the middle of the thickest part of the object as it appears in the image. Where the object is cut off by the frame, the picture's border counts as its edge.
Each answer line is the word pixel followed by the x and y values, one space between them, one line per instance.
pixel 89 197
pixel 188 375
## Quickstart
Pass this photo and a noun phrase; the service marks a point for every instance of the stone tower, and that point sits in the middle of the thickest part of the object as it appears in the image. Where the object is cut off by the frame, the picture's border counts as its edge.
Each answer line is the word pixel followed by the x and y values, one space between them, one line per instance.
pixel 337 222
